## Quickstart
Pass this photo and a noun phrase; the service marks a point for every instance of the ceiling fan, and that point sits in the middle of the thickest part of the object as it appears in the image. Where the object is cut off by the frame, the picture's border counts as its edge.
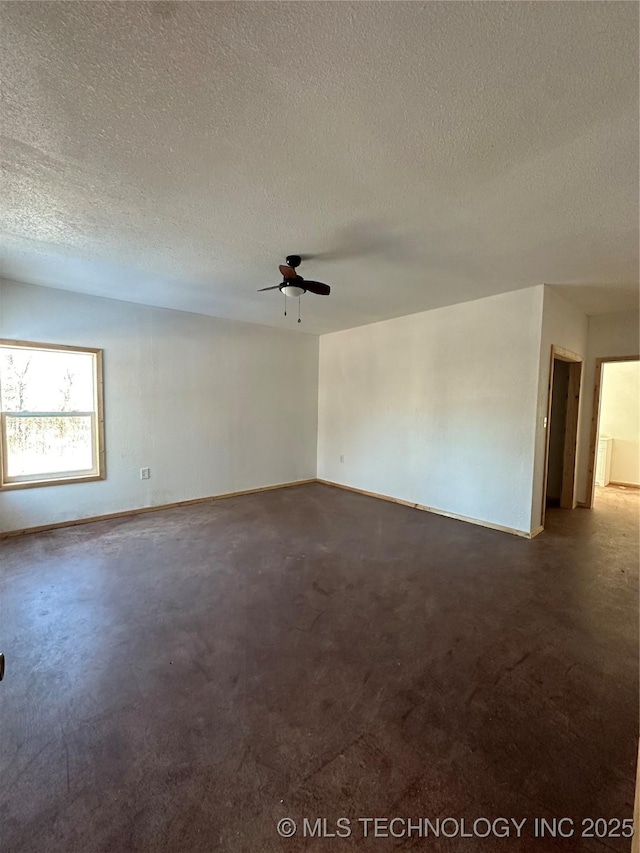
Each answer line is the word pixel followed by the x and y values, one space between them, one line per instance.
pixel 293 285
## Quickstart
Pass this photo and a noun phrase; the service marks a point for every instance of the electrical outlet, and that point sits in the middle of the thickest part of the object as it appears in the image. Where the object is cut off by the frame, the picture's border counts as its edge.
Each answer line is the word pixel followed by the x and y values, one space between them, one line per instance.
pixel 145 473
pixel 342 457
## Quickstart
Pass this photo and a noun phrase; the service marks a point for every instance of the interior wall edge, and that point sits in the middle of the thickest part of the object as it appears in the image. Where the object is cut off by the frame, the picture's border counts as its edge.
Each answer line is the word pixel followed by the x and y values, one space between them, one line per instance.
pixel 566 327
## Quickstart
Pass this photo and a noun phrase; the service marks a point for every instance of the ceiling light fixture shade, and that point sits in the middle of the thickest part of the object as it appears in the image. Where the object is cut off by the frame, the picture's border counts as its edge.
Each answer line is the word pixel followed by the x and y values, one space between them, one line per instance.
pixel 292 290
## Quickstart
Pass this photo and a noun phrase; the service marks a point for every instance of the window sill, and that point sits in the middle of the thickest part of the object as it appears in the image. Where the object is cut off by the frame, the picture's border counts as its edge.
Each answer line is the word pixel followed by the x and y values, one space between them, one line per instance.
pixel 61 481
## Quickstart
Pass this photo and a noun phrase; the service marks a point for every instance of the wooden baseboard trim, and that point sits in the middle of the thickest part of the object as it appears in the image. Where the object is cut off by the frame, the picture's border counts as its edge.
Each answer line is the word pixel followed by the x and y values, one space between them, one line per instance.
pixel 144 509
pixel 626 485
pixel 141 510
pixel 522 533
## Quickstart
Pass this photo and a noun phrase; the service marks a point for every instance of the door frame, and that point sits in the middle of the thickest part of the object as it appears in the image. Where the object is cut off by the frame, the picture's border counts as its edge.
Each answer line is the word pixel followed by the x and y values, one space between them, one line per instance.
pixel 595 421
pixel 569 459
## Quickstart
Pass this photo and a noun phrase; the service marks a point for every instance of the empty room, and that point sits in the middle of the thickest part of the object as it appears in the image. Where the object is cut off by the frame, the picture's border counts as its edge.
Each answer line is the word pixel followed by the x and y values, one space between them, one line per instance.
pixel 319 452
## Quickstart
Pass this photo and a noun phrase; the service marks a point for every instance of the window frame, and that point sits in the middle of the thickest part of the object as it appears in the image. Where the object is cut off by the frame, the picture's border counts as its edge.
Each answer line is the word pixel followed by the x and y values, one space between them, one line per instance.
pixel 98 452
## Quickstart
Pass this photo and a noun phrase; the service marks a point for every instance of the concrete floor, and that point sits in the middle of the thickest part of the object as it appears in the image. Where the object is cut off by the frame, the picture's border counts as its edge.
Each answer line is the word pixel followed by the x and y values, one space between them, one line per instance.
pixel 180 681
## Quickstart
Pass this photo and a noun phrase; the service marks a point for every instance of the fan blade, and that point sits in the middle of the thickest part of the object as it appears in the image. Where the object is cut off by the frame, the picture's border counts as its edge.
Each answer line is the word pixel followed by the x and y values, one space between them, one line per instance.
pixel 275 287
pixel 287 272
pixel 317 287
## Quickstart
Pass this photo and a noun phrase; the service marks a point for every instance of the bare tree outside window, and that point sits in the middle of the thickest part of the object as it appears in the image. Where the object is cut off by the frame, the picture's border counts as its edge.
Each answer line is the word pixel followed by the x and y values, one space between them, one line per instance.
pixel 50 408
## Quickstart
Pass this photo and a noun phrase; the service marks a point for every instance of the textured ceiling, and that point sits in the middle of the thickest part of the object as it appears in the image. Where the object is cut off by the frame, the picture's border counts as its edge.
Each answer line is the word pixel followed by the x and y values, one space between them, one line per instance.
pixel 172 154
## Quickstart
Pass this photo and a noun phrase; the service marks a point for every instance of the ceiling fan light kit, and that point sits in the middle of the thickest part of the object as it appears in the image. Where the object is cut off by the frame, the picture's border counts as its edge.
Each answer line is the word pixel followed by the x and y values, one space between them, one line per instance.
pixel 292 290
pixel 293 285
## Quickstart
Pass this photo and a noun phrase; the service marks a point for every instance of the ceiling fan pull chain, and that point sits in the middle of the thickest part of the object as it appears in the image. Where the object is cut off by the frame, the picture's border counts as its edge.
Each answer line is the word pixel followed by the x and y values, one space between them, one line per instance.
pixel 285 304
pixel 298 309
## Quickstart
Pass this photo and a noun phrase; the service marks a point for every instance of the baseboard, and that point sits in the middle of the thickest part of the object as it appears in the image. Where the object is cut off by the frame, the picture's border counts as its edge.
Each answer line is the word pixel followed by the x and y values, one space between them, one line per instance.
pixel 141 510
pixel 522 533
pixel 144 509
pixel 626 485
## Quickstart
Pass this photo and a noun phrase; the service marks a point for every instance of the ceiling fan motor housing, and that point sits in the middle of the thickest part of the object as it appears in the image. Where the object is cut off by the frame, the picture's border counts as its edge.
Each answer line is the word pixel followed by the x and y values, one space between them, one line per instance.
pixel 293 288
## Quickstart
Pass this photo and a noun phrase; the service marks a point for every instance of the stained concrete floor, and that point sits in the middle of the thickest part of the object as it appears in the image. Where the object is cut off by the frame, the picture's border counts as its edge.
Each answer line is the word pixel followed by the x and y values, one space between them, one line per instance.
pixel 182 680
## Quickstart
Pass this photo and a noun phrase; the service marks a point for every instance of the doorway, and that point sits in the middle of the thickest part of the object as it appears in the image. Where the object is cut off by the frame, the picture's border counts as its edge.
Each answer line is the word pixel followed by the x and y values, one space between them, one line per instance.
pixel 561 431
pixel 614 450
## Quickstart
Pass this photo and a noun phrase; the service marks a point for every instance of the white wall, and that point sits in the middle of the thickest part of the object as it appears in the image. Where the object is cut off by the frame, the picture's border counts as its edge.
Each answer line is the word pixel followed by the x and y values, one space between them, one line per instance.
pixel 620 419
pixel 211 406
pixel 563 325
pixel 443 408
pixel 437 408
pixel 608 335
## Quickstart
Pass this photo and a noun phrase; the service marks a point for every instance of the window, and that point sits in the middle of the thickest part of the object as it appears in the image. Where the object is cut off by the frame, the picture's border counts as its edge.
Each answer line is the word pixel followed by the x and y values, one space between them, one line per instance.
pixel 51 428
